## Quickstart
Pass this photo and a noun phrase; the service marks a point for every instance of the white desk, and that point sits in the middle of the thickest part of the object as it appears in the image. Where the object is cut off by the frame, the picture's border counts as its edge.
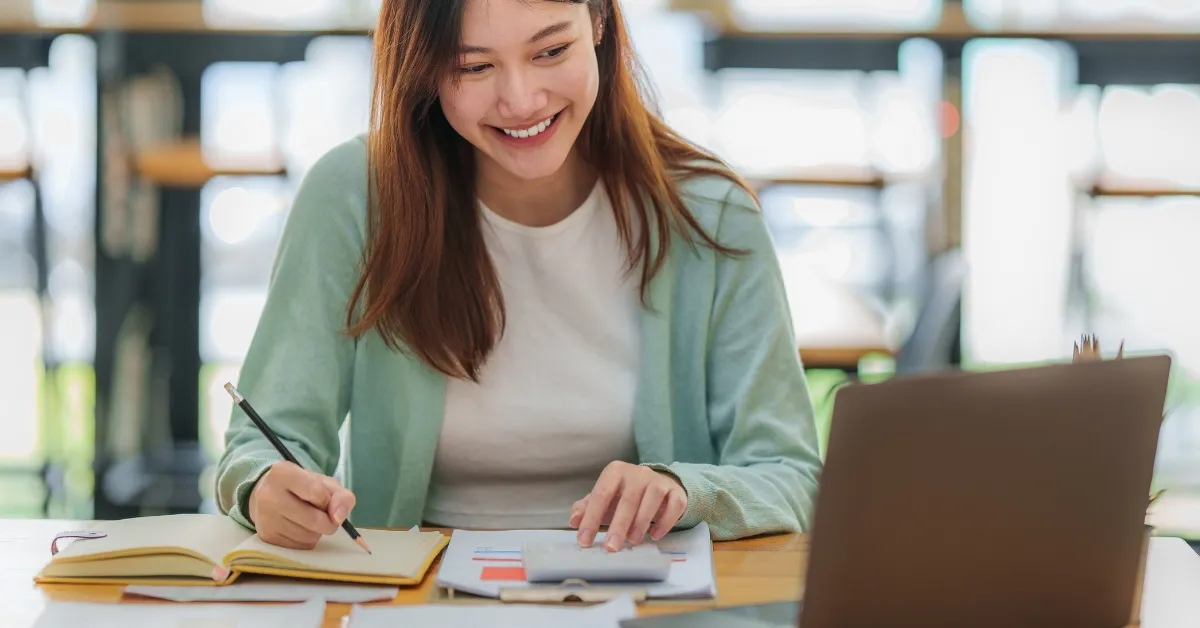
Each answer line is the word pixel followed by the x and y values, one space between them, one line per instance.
pixel 1171 598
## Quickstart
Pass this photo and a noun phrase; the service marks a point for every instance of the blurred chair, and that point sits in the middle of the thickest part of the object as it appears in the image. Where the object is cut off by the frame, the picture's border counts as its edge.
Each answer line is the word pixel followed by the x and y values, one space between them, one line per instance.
pixel 935 341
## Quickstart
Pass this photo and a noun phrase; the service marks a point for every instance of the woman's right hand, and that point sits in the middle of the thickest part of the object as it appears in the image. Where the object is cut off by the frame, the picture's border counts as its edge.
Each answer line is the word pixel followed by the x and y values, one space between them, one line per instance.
pixel 293 507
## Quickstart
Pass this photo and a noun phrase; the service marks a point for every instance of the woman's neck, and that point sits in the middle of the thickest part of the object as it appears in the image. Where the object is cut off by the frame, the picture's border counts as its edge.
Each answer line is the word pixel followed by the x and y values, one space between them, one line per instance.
pixel 539 202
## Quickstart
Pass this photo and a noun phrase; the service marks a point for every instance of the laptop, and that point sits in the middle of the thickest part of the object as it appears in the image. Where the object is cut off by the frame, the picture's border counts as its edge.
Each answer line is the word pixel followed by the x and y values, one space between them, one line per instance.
pixel 1007 498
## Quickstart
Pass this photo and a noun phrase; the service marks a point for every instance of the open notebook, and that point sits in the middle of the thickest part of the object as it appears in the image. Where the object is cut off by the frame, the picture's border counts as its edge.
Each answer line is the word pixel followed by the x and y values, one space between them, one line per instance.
pixel 204 549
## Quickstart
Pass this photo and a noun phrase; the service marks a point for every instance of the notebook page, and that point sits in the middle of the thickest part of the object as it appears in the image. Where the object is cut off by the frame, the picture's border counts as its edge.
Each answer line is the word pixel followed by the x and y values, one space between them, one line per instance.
pixel 394 553
pixel 211 536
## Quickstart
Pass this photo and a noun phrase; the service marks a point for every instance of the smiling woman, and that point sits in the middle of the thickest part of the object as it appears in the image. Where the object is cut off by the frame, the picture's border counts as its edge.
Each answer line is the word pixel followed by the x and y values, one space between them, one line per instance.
pixel 542 307
pixel 512 95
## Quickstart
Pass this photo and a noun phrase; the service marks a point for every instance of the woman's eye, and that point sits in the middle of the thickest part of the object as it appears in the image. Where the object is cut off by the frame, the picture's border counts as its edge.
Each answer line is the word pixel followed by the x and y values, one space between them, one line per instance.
pixel 473 69
pixel 555 52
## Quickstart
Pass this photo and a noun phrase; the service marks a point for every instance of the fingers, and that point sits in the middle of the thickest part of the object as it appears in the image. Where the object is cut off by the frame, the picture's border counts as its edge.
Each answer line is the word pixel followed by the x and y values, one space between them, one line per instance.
pixel 634 500
pixel 606 489
pixel 304 515
pixel 341 500
pixel 311 487
pixel 651 506
pixel 672 509
pixel 286 533
pixel 627 508
pixel 340 506
pixel 283 509
pixel 577 510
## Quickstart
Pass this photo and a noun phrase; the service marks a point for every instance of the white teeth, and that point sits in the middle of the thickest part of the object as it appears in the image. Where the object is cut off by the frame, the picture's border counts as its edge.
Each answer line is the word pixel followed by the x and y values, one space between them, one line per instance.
pixel 533 130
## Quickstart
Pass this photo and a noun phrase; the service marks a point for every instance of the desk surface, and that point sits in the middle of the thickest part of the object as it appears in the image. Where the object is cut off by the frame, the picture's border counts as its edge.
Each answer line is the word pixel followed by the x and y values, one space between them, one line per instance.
pixel 754 571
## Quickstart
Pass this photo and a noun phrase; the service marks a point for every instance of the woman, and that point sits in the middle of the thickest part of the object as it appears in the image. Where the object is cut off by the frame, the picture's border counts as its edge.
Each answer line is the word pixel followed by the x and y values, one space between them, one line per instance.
pixel 550 311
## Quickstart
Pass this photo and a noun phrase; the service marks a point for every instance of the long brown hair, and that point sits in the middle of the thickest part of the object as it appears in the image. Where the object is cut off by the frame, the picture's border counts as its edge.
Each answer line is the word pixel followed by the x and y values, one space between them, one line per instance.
pixel 428 282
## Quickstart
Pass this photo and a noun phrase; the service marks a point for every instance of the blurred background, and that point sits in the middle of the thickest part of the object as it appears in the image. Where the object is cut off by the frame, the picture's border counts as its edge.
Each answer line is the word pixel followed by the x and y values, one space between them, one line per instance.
pixel 949 184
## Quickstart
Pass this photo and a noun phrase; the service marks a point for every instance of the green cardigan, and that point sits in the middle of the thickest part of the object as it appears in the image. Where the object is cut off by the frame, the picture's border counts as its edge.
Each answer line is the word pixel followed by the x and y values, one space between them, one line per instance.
pixel 721 400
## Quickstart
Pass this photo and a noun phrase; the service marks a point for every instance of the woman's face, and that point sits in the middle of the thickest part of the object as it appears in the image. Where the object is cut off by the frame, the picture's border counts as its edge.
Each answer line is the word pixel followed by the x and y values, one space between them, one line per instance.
pixel 527 80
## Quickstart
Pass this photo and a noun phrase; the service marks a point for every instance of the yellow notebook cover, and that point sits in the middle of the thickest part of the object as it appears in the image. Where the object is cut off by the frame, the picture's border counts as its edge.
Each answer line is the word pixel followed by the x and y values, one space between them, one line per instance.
pixel 213 550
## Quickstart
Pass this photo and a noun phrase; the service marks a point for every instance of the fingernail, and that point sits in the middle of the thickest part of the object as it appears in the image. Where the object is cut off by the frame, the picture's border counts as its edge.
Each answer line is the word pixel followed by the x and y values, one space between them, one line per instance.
pixel 613 544
pixel 585 538
pixel 340 515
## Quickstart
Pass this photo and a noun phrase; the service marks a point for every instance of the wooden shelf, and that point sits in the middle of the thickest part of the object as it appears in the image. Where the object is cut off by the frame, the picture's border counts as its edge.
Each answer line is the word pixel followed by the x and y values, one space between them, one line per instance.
pixel 1108 184
pixel 821 177
pixel 18 24
pixel 9 173
pixel 1123 191
pixel 182 164
pixel 138 16
pixel 164 17
pixel 953 24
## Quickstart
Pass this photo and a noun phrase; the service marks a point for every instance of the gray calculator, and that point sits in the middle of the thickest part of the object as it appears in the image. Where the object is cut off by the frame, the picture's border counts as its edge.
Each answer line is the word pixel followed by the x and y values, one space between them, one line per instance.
pixel 558 562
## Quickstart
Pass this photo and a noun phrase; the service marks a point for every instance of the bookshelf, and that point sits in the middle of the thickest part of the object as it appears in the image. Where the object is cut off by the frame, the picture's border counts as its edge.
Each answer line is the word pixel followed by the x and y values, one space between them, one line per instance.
pixel 139 34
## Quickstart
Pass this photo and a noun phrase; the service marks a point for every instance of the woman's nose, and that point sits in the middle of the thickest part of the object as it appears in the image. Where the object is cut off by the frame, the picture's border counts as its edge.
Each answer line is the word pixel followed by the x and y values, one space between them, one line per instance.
pixel 520 96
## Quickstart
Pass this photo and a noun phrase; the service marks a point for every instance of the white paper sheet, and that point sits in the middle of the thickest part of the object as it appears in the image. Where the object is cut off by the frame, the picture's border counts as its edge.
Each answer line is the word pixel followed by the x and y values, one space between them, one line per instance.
pixel 482 563
pixel 607 615
pixel 268 592
pixel 76 615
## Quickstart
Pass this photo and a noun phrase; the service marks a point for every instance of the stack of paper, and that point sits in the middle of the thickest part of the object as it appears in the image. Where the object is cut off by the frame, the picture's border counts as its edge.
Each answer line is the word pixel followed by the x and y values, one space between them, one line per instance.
pixel 75 615
pixel 485 563
pixel 272 590
pixel 608 615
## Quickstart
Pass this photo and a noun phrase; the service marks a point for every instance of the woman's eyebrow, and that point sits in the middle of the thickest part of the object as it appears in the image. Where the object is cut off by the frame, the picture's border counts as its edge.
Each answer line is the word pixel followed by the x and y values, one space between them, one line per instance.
pixel 552 29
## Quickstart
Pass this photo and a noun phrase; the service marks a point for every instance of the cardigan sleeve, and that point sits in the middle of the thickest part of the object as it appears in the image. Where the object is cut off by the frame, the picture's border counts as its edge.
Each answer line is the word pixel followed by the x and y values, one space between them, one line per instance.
pixel 298 368
pixel 759 411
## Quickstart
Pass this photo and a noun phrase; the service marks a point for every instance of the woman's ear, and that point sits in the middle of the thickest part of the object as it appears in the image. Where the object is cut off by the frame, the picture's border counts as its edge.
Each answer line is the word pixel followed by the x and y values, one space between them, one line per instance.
pixel 598 29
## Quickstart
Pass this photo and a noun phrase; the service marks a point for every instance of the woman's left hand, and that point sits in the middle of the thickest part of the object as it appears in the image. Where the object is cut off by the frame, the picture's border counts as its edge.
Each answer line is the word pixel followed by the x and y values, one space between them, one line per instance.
pixel 629 498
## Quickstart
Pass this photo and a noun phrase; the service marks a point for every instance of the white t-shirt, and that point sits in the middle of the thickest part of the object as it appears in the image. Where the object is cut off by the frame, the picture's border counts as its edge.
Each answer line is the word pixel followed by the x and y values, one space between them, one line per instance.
pixel 555 400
